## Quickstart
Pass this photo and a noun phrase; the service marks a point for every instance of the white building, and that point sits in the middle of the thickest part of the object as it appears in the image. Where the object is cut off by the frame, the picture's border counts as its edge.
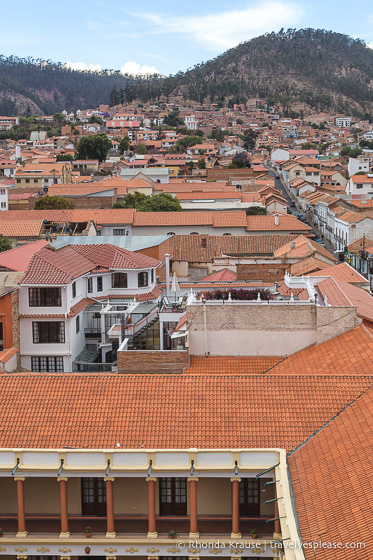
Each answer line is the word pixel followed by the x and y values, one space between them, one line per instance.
pixel 360 185
pixel 356 165
pixel 191 122
pixel 343 122
pixel 75 303
pixel 4 205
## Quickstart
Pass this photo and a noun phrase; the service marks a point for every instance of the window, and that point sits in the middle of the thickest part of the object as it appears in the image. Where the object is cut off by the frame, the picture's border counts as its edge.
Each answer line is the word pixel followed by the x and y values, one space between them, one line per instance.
pixel 152 275
pixel 27 180
pixel 3 205
pixel 45 297
pixel 47 363
pixel 77 324
pixel 359 186
pixel 227 234
pixel 119 280
pixel 90 285
pixel 74 289
pixel 2 191
pixel 99 283
pixel 171 233
pixel 143 279
pixel 1 336
pixel 194 233
pixel 48 332
pixel 18 180
pixel 36 180
pixel 119 232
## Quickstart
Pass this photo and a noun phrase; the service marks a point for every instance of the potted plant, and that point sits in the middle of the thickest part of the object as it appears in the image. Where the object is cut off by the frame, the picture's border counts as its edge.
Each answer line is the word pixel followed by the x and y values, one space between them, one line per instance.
pixel 255 533
pixel 172 534
pixel 88 532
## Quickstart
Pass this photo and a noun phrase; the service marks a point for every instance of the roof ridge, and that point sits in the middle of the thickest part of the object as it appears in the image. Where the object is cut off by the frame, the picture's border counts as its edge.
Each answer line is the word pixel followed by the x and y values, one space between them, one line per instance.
pixel 329 421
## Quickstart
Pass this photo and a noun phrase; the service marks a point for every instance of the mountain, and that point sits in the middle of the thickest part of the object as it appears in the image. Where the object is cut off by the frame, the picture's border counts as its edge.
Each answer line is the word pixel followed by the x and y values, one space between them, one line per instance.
pixel 298 71
pixel 48 87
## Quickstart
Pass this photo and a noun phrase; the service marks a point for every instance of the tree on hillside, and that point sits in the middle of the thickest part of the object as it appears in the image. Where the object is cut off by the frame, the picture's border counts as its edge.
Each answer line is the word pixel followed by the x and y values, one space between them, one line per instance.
pixel 353 153
pixel 5 243
pixel 95 119
pixel 114 96
pixel 53 203
pixel 124 144
pixel 141 149
pixel 239 161
pixel 249 139
pixel 93 147
pixel 173 119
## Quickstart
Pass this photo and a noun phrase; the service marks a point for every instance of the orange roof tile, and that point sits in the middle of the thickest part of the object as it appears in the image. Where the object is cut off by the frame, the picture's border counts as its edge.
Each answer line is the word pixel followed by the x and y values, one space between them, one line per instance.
pixel 341 271
pixel 231 365
pixel 329 479
pixel 169 411
pixel 18 259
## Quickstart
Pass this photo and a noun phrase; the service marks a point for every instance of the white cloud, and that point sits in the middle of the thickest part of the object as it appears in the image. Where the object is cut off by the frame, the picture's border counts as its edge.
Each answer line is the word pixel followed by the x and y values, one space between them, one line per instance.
pixel 370 45
pixel 224 30
pixel 136 69
pixel 83 66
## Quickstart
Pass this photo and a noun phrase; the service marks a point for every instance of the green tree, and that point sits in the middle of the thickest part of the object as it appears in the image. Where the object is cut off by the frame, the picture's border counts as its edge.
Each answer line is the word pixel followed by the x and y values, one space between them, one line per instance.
pixel 141 149
pixel 95 119
pixel 124 144
pixel 256 211
pixel 249 139
pixel 59 118
pixel 173 119
pixel 114 96
pixel 53 203
pixel 201 164
pixel 348 151
pixel 93 147
pixel 65 157
pixel 5 243
pixel 161 203
pixel 131 200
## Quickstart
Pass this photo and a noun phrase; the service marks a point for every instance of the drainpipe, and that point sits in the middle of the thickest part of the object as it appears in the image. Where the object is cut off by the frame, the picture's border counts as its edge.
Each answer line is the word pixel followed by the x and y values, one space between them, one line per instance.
pixel 167 256
pixel 205 324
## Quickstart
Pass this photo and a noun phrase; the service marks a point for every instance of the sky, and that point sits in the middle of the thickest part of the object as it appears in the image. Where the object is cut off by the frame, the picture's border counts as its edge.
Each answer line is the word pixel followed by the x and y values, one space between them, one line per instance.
pixel 163 36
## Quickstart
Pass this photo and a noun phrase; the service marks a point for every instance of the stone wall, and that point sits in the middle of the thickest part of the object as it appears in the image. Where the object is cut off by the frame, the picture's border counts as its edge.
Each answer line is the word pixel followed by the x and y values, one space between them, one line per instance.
pixel 152 361
pixel 264 330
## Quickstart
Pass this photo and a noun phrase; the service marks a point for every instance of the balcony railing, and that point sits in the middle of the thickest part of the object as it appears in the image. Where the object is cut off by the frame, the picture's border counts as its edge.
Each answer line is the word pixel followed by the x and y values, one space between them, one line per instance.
pixel 137 525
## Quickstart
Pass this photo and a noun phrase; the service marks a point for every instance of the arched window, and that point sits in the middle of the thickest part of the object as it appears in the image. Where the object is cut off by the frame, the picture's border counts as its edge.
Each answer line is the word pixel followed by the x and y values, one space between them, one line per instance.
pixel 171 233
pixel 143 280
pixel 119 280
pixel 194 233
pixel 227 234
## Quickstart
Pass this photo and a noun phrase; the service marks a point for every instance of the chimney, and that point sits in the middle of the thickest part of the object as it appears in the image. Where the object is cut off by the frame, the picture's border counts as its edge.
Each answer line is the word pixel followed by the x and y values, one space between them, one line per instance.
pixel 292 245
pixel 277 221
pixel 167 257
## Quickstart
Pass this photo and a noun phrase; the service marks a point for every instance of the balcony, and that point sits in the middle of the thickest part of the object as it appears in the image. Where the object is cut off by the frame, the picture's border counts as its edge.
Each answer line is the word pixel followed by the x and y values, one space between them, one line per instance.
pixel 129 526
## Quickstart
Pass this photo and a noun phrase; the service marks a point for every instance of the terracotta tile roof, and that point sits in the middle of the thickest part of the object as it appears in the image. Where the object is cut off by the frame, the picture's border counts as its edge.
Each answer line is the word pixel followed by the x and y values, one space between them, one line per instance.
pixel 169 411
pixel 215 219
pixel 18 259
pixel 61 266
pixel 267 223
pixel 190 247
pixel 329 479
pixel 20 228
pixel 308 265
pixel 348 354
pixel 340 293
pixel 231 365
pixel 5 355
pixel 208 195
pixel 154 294
pixel 224 275
pixel 341 271
pixel 300 293
pixel 354 217
pixel 98 215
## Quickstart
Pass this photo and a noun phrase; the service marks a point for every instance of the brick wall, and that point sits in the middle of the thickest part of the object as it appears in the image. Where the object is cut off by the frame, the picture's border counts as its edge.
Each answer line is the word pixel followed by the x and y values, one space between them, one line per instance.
pixel 152 361
pixel 264 272
pixel 225 174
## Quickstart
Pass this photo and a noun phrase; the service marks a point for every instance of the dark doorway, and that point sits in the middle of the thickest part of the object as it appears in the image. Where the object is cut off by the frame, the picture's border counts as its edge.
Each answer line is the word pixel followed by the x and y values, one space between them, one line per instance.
pixel 173 496
pixel 249 497
pixel 93 496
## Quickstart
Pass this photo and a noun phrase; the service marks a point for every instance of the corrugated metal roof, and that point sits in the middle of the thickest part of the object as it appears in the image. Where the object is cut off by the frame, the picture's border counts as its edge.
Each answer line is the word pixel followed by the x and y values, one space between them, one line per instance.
pixel 132 243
